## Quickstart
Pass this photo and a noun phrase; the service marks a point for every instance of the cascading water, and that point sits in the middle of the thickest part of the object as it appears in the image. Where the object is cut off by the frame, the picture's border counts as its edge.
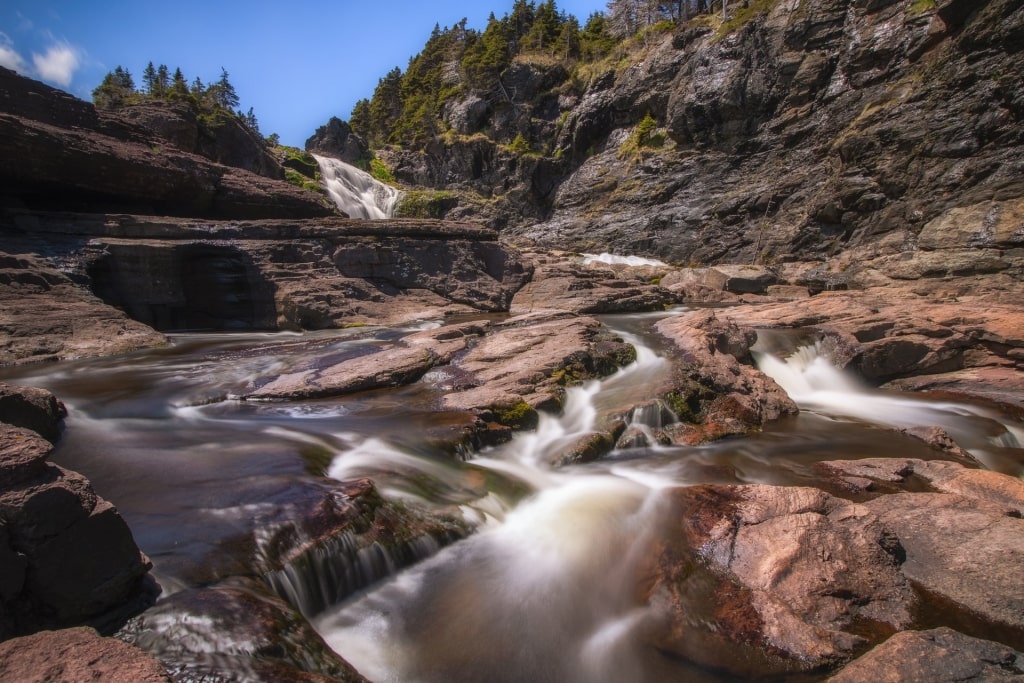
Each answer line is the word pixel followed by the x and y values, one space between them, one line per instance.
pixel 544 591
pixel 549 587
pixel 815 384
pixel 356 192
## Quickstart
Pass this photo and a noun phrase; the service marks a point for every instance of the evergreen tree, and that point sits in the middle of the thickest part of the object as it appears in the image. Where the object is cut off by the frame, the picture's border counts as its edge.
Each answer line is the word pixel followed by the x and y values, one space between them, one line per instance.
pixel 223 93
pixel 595 40
pixel 488 57
pixel 360 119
pixel 115 90
pixel 179 86
pixel 249 118
pixel 163 81
pixel 568 43
pixel 385 106
pixel 149 79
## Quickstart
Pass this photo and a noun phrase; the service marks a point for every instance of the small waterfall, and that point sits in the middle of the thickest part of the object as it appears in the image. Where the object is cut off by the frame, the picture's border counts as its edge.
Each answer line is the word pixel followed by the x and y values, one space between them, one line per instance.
pixel 539 557
pixel 816 385
pixel 356 192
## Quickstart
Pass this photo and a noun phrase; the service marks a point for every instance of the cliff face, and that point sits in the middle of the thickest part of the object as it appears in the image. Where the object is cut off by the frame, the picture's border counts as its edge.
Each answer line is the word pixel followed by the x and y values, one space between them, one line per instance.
pixel 61 153
pixel 814 128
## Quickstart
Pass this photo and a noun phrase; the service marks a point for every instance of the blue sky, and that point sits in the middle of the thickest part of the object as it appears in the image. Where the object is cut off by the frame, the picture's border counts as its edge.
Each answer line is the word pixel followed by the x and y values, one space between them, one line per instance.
pixel 296 62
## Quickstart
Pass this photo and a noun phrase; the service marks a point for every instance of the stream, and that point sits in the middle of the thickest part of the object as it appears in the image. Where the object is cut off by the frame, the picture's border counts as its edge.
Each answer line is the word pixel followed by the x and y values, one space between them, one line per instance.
pixel 545 590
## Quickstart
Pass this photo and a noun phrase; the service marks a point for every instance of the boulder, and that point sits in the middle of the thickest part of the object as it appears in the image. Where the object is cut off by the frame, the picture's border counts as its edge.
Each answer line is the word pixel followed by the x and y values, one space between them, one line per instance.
pixel 77 654
pixel 716 387
pixel 964 549
pixel 770 579
pixel 32 408
pixel 939 655
pixel 69 556
pixel 336 139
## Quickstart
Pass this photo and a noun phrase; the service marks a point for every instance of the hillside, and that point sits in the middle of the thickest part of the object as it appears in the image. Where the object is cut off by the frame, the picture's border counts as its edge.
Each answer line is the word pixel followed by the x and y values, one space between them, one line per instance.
pixel 796 130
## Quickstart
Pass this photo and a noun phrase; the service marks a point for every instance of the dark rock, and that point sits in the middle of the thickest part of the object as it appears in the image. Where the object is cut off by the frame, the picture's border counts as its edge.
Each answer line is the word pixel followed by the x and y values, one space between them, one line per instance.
pixel 233 633
pixel 57 156
pixel 32 408
pixel 941 655
pixel 70 558
pixel 76 654
pixel 336 139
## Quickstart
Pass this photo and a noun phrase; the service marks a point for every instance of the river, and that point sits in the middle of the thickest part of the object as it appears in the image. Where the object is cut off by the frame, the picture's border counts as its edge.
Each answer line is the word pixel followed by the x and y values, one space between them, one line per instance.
pixel 544 590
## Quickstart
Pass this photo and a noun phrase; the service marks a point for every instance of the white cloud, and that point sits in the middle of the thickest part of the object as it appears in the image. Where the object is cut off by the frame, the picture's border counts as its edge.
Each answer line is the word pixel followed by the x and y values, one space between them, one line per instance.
pixel 9 57
pixel 58 65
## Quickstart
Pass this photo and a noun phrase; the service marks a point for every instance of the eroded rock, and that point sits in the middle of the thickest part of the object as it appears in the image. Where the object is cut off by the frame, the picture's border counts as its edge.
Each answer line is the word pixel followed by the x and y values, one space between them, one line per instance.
pixel 76 654
pixel 940 655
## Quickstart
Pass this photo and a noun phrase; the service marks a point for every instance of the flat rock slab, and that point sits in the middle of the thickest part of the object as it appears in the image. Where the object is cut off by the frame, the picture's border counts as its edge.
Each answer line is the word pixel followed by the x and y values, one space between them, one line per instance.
pixel 967 550
pixel 402 363
pixel 76 654
pixel 917 343
pixel 940 655
pixel 943 476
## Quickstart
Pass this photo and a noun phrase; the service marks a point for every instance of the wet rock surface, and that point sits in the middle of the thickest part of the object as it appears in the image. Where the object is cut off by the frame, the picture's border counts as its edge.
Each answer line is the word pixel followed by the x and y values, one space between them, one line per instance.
pixel 716 386
pixel 232 633
pixel 793 575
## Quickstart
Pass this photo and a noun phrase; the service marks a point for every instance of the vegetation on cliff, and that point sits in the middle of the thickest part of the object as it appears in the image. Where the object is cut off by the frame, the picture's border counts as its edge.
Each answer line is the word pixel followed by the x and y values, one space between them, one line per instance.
pixel 409 108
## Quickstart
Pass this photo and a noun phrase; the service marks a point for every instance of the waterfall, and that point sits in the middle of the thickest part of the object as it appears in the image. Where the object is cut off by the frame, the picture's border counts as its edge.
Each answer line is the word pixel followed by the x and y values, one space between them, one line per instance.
pixel 518 596
pixel 816 385
pixel 356 192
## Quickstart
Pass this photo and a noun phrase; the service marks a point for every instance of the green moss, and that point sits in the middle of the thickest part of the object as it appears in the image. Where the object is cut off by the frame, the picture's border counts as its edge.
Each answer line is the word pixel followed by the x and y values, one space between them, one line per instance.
pixel 425 204
pixel 299 180
pixel 381 172
pixel 921 6
pixel 517 415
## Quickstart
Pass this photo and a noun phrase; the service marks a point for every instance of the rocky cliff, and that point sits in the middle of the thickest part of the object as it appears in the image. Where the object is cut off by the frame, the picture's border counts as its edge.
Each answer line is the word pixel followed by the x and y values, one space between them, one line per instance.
pixel 799 129
pixel 59 152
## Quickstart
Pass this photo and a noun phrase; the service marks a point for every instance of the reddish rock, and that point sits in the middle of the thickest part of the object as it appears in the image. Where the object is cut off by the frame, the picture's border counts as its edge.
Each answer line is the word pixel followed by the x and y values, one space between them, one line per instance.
pixel 561 283
pixel 729 394
pixel 774 578
pixel 967 550
pixel 913 342
pixel 76 655
pixel 940 655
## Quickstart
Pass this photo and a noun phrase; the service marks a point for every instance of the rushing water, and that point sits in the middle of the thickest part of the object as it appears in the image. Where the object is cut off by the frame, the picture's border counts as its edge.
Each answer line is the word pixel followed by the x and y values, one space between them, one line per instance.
pixel 545 590
pixel 355 191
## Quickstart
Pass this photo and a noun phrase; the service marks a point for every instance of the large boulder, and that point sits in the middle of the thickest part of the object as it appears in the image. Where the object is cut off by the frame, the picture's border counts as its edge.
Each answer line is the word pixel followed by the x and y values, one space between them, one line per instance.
pixel 716 388
pixel 68 556
pixel 766 579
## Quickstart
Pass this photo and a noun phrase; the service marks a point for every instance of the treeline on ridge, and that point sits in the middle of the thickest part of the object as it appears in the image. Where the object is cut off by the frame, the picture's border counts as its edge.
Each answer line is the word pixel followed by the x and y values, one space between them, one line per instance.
pixel 118 89
pixel 406 107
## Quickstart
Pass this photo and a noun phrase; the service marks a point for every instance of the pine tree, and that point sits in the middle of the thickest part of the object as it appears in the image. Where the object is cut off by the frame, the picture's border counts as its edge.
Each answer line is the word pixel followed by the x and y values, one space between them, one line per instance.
pixel 224 95
pixel 163 81
pixel 149 79
pixel 115 90
pixel 385 106
pixel 179 86
pixel 360 120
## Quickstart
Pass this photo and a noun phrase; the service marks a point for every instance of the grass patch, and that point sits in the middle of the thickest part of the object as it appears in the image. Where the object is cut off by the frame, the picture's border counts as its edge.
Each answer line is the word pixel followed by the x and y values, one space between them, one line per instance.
pixel 743 16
